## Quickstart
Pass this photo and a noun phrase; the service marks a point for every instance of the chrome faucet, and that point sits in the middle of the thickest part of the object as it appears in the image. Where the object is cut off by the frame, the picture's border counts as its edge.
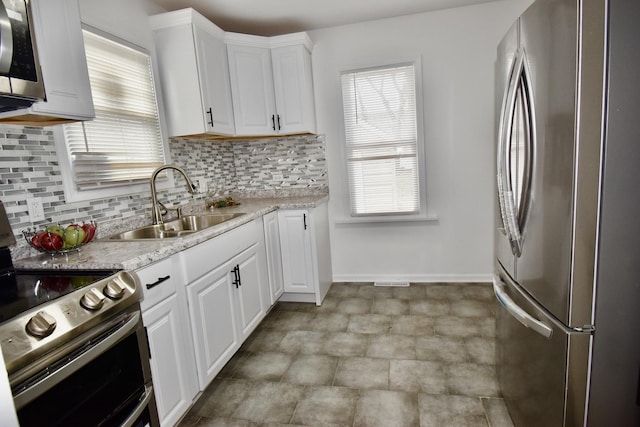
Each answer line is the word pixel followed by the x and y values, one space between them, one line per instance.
pixel 156 214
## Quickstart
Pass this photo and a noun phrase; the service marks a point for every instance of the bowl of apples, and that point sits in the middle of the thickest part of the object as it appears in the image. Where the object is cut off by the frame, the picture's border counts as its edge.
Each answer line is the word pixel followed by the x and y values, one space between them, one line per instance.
pixel 56 239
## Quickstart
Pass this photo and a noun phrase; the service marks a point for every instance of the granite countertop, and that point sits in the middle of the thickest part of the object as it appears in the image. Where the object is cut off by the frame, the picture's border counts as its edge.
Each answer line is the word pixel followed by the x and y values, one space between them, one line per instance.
pixel 131 255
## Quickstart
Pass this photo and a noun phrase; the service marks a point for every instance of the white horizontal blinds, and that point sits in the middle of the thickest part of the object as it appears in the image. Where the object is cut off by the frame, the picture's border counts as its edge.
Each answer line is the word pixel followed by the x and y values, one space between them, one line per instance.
pixel 381 140
pixel 122 145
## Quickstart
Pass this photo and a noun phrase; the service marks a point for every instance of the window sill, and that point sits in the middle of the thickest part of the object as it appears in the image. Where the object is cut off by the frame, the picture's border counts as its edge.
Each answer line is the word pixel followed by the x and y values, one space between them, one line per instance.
pixel 429 217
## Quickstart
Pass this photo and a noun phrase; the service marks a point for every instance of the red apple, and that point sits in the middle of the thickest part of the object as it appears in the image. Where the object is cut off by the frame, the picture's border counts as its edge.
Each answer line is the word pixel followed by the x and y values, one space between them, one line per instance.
pixel 35 240
pixel 51 241
pixel 89 231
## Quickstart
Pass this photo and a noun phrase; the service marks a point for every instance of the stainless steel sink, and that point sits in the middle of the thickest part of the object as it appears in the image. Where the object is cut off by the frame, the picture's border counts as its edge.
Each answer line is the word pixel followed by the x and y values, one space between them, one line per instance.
pixel 177 228
pixel 200 222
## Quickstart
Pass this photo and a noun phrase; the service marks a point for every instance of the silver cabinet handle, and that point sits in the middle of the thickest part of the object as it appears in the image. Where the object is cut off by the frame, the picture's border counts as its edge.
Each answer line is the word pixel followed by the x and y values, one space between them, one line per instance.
pixel 6 40
pixel 516 311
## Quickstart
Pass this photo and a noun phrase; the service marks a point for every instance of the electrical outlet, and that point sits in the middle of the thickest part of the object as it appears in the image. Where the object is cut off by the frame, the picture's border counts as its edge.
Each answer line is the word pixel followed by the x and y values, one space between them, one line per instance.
pixel 202 185
pixel 36 211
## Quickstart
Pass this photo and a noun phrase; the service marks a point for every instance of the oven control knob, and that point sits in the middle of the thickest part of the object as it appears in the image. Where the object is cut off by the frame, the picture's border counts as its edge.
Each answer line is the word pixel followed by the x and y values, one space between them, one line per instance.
pixel 92 300
pixel 41 325
pixel 114 290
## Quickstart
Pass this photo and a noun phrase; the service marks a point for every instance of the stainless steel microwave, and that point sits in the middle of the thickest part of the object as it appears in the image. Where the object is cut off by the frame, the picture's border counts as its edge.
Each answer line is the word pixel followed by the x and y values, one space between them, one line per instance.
pixel 20 76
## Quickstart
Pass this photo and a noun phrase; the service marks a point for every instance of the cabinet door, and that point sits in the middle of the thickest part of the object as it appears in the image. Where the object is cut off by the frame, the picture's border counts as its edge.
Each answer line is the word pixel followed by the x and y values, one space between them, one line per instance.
pixel 214 82
pixel 274 256
pixel 169 360
pixel 213 322
pixel 248 291
pixel 293 87
pixel 252 90
pixel 62 59
pixel 297 254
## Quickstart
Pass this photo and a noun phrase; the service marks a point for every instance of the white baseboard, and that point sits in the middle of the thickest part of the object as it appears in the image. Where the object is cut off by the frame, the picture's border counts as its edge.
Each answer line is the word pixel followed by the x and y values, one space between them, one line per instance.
pixel 428 278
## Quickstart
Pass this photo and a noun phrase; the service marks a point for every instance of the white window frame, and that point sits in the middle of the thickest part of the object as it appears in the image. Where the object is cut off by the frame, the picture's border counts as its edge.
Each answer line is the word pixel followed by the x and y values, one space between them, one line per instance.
pixel 422 214
pixel 72 194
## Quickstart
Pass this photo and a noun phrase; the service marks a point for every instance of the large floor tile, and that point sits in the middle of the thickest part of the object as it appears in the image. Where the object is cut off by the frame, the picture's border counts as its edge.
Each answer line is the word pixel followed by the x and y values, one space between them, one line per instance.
pixel 392 347
pixel 380 408
pixel 354 306
pixel 225 422
pixel 269 402
pixel 412 325
pixel 441 349
pixel 471 379
pixel 326 406
pixel 329 322
pixel 390 306
pixel 451 410
pixel 362 373
pixel 264 366
pixel 306 342
pixel 345 344
pixel 481 350
pixel 314 369
pixel 417 376
pixel 369 323
pixel 427 307
pixel 221 398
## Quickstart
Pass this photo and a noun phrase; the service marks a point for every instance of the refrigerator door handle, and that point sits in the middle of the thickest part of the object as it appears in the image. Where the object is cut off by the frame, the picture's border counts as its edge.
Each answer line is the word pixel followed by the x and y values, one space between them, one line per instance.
pixel 499 284
pixel 514 201
pixel 507 213
pixel 516 311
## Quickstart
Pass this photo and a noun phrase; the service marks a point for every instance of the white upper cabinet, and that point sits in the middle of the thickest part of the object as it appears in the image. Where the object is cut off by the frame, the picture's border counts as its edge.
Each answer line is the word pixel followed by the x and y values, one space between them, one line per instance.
pixel 60 46
pixel 293 87
pixel 194 74
pixel 271 84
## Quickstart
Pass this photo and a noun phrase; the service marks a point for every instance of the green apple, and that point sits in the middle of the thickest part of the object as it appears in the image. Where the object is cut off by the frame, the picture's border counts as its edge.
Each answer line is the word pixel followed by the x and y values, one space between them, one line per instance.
pixel 73 236
pixel 56 229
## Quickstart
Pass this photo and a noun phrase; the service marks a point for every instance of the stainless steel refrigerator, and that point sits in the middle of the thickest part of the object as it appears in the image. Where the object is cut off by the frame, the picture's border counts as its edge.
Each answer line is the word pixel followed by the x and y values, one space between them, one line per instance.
pixel 568 214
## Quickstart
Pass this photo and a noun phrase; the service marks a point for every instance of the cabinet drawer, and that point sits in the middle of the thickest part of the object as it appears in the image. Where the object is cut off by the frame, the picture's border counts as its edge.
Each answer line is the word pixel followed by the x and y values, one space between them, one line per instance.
pixel 201 259
pixel 158 283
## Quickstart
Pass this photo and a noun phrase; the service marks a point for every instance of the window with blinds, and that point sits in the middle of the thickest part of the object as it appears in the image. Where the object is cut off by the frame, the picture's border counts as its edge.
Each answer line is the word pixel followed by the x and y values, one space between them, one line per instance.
pixel 123 144
pixel 381 140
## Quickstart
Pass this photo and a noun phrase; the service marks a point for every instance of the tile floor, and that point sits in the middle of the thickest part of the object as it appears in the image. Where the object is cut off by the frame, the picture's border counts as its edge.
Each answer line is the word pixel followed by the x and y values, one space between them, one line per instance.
pixel 369 356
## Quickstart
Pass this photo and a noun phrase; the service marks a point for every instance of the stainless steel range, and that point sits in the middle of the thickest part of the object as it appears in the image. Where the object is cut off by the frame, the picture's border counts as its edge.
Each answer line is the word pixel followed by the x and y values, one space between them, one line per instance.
pixel 75 350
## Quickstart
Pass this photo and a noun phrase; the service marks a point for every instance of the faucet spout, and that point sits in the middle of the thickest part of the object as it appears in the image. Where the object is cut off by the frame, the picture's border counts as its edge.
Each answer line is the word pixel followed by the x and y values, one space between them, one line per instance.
pixel 156 214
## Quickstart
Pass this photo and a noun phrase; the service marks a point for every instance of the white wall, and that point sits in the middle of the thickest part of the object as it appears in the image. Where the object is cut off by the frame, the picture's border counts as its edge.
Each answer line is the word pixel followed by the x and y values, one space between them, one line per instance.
pixel 458 49
pixel 127 19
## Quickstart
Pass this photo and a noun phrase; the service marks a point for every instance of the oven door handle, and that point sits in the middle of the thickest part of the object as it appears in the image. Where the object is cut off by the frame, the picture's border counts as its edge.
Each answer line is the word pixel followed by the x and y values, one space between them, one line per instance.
pixel 144 400
pixel 49 381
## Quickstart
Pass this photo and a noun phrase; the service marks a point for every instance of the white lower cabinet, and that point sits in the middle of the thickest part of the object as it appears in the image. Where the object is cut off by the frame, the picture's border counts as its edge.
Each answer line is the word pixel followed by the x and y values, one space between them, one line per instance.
pixel 213 319
pixel 172 367
pixel 226 300
pixel 273 256
pixel 306 260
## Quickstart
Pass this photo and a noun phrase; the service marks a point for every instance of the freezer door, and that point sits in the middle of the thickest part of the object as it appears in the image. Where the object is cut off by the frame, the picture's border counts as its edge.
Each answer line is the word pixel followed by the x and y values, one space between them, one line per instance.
pixel 541 365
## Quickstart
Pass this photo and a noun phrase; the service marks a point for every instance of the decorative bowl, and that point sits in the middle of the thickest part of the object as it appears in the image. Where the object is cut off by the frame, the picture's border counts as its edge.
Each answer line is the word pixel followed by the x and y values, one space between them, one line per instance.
pixel 56 239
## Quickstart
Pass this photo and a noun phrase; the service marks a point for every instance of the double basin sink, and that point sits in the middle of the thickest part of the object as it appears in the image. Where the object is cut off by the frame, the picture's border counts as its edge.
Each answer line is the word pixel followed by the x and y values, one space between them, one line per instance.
pixel 180 227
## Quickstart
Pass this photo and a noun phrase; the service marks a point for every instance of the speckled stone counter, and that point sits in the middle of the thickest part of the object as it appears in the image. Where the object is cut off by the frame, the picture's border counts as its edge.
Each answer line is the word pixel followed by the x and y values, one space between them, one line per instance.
pixel 111 254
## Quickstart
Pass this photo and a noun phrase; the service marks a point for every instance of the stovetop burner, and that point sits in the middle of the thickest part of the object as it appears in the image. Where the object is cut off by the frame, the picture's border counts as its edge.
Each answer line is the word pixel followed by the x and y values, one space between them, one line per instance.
pixel 22 290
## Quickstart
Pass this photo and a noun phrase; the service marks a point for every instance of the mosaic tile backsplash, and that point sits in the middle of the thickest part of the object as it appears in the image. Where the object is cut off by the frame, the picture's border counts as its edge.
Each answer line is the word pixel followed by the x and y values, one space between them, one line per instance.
pixel 29 167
